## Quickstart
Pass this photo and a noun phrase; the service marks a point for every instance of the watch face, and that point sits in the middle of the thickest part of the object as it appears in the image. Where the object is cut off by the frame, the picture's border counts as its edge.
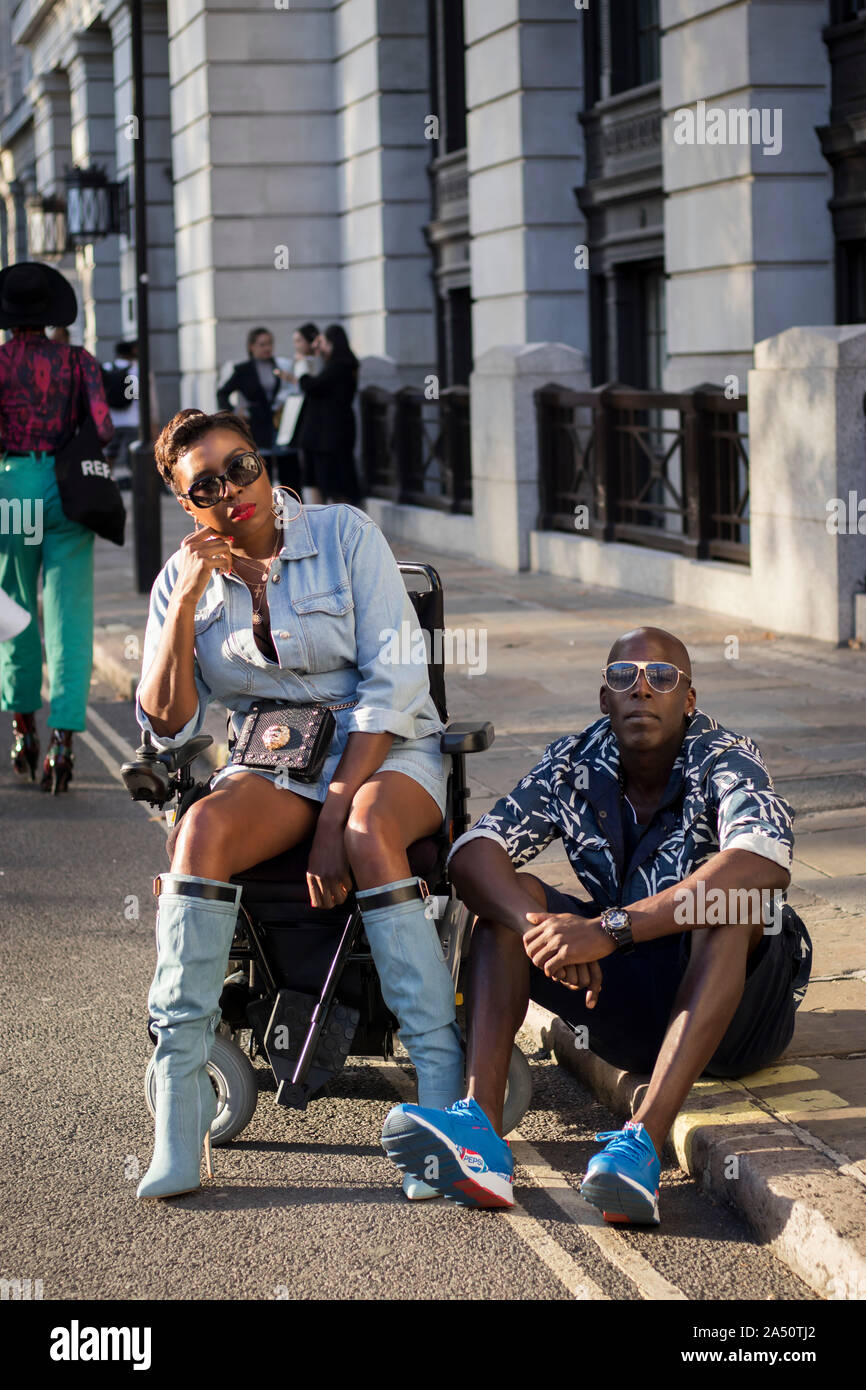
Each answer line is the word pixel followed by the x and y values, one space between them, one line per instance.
pixel 617 918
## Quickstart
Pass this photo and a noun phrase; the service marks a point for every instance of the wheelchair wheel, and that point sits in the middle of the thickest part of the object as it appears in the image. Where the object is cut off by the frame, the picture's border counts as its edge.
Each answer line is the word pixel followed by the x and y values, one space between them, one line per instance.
pixel 518 1091
pixel 234 1079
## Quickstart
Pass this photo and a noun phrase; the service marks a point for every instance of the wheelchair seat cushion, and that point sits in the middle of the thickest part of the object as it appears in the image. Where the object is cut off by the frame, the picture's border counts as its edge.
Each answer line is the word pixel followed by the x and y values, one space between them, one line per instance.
pixel 290 867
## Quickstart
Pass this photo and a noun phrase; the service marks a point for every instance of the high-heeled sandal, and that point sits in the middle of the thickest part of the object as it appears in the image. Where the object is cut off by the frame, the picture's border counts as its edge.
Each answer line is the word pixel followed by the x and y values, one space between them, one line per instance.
pixel 25 745
pixel 59 762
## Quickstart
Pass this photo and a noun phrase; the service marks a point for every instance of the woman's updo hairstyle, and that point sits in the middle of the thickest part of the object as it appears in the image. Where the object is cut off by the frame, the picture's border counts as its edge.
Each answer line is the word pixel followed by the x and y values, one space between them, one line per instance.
pixel 186 428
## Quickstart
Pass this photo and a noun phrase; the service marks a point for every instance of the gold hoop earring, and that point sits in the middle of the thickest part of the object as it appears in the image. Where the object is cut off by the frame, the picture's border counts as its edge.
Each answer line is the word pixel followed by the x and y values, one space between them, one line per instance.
pixel 278 510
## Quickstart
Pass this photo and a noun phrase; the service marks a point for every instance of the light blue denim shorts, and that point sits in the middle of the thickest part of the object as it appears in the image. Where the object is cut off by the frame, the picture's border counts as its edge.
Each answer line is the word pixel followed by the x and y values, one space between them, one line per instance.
pixel 418 758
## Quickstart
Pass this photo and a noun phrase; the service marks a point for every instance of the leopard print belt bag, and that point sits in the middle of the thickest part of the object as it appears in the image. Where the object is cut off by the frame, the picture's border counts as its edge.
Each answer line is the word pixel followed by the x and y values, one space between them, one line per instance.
pixel 292 738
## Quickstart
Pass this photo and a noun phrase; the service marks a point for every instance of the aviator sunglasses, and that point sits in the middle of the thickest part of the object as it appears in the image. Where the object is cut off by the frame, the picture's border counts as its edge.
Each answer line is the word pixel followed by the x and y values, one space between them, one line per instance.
pixel 207 491
pixel 662 676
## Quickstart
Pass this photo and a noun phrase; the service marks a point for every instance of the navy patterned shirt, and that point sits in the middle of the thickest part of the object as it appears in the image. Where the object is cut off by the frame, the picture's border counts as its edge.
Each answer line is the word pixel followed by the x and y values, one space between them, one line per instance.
pixel 719 796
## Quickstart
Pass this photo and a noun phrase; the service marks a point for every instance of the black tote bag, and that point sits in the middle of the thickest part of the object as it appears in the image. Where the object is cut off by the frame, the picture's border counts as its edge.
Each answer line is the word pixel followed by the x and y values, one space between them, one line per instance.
pixel 88 493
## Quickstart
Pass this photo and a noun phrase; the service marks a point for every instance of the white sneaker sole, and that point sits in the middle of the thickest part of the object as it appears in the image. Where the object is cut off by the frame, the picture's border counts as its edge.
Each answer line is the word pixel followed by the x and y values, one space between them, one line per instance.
pixel 431 1157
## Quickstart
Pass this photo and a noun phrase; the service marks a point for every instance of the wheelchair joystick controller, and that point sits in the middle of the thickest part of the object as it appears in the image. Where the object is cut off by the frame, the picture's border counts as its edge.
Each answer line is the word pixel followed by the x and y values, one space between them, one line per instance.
pixel 146 779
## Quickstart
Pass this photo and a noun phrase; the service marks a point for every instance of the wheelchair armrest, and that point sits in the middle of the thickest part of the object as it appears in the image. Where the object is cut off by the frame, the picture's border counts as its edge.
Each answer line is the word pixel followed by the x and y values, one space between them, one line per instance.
pixel 465 736
pixel 176 758
pixel 147 778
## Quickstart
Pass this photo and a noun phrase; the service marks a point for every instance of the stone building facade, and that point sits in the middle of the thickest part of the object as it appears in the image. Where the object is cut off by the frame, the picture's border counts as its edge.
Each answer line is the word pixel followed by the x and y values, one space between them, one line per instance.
pixel 656 185
pixel 427 170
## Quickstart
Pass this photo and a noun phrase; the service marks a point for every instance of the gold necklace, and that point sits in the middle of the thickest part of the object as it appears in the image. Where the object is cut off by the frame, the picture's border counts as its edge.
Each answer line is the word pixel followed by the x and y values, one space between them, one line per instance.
pixel 261 587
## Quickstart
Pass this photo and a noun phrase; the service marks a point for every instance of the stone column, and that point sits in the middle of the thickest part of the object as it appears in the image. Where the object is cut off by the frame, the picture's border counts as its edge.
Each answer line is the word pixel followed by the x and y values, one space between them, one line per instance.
pixel 52 129
pixel 807 435
pixel 524 74
pixel 52 135
pixel 505 497
pixel 88 62
pixel 254 154
pixel 162 269
pixel 382 101
pixel 748 234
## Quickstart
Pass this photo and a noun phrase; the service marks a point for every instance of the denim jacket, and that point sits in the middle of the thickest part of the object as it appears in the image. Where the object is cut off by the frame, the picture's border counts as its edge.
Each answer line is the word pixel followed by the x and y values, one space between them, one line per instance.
pixel 334 595
pixel 719 795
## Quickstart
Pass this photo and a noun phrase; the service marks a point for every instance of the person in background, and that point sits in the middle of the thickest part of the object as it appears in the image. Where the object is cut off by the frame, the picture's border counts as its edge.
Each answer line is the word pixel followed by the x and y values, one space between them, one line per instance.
pixel 120 379
pixel 42 383
pixel 260 385
pixel 288 462
pixel 326 432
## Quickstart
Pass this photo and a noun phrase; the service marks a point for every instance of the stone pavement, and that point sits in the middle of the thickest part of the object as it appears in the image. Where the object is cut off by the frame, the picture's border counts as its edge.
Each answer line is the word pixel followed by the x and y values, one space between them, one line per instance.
pixel 788 1145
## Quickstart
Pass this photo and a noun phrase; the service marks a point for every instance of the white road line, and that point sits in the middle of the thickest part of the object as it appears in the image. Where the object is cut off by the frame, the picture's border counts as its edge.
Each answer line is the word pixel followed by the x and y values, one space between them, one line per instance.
pixel 103 727
pixel 530 1231
pixel 109 759
pixel 650 1284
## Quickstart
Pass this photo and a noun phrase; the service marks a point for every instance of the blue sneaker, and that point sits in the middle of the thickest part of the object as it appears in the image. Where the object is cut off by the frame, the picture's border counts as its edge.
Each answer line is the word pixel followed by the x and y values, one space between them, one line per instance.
pixel 623 1180
pixel 455 1151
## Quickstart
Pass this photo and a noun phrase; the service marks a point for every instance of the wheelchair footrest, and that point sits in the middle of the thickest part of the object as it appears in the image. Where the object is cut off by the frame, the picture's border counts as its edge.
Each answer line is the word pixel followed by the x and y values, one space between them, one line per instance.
pixel 284 1037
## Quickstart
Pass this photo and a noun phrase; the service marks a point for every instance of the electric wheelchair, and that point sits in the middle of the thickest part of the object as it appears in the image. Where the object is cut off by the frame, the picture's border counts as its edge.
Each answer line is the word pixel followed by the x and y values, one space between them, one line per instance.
pixel 303 993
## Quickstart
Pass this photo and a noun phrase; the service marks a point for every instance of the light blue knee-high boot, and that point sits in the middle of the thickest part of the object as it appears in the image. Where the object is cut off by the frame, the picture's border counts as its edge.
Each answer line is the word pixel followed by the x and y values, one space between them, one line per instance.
pixel 194 929
pixel 416 986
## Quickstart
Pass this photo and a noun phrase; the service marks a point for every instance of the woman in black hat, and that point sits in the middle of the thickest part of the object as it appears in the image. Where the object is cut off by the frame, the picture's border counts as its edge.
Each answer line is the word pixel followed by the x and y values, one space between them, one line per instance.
pixel 41 384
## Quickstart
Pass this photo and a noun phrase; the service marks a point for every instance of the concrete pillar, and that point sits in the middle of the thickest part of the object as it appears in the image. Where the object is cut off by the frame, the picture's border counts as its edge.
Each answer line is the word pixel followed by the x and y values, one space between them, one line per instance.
pixel 505 496
pixel 379 371
pixel 524 76
pixel 748 234
pixel 52 135
pixel 52 129
pixel 382 101
pixel 255 188
pixel 89 65
pixel 807 443
pixel 162 268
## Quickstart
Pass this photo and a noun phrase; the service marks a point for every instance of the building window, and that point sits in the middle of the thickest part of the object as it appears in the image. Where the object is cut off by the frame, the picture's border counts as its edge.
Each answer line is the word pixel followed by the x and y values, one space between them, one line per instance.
pixel 641 325
pixel 841 11
pixel 598 329
pixel 454 335
pixel 448 72
pixel 851 282
pixel 634 44
pixel 590 20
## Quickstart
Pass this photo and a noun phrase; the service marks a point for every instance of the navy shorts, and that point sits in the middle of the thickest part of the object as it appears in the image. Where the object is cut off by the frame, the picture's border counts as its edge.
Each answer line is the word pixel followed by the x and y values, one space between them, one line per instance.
pixel 628 1024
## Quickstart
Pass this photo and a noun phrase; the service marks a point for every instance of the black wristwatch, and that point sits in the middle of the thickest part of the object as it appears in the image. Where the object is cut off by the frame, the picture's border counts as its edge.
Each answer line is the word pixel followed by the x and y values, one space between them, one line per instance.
pixel 616 922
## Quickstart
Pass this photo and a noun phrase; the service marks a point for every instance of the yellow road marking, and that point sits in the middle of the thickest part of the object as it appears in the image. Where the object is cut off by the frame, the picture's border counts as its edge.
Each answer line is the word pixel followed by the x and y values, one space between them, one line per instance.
pixel 773 1076
pixel 650 1284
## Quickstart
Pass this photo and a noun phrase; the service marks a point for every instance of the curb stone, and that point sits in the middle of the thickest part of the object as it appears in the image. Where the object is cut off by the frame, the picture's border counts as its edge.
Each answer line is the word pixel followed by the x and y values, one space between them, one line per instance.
pixel 812 1215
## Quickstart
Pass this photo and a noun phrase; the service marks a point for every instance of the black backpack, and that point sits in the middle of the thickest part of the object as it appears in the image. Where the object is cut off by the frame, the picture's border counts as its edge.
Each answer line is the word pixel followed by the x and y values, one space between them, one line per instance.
pixel 114 381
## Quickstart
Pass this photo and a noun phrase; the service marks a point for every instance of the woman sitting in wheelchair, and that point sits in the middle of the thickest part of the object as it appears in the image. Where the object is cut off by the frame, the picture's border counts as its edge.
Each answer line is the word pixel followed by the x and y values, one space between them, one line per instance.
pixel 270 601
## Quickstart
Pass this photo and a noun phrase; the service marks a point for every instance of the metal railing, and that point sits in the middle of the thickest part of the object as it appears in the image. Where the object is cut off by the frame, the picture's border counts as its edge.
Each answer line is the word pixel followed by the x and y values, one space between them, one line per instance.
pixel 415 450
pixel 663 469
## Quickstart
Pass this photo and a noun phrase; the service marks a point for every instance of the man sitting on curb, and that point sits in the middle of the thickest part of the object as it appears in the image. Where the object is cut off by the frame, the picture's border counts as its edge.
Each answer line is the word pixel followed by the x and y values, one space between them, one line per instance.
pixel 672 968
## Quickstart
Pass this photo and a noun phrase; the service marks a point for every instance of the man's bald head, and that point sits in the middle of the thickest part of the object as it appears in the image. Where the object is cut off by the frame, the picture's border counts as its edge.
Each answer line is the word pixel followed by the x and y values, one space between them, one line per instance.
pixel 651 644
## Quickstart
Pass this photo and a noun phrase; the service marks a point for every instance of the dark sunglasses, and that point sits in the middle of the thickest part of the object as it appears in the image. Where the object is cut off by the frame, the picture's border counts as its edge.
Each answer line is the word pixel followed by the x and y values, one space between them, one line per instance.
pixel 662 676
pixel 207 491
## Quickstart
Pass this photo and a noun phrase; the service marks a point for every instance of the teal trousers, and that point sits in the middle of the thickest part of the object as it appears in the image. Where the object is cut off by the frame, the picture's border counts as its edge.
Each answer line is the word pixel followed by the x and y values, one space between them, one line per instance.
pixel 35 534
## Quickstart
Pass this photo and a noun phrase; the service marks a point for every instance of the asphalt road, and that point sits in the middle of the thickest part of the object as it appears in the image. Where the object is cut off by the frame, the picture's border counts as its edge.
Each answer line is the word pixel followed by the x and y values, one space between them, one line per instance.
pixel 304 1206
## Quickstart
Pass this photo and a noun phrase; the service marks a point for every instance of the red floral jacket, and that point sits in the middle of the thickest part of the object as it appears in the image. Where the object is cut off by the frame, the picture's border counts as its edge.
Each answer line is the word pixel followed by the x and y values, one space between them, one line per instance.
pixel 39 393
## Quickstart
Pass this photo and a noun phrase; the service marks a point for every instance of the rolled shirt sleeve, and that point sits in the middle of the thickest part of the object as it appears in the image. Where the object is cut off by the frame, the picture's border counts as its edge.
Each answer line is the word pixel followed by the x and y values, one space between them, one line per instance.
pixel 520 822
pixel 394 689
pixel 751 814
pixel 159 599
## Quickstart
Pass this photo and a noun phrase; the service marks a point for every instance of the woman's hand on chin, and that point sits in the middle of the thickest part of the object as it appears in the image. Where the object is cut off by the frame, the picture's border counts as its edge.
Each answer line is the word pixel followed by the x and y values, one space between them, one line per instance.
pixel 201 552
pixel 329 878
